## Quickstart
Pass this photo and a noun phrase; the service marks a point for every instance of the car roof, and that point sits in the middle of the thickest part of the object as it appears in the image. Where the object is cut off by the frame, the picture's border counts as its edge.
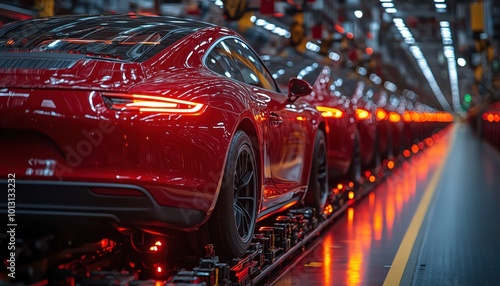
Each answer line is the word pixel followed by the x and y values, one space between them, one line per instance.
pixel 126 37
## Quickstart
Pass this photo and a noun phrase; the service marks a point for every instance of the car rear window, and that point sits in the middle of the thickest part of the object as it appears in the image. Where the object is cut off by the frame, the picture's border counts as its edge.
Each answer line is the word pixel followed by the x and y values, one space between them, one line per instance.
pixel 129 38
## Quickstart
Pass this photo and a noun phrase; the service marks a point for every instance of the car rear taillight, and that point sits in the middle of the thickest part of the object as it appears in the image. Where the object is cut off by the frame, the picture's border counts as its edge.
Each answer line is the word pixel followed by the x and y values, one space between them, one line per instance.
pixel 149 103
pixel 394 117
pixel 381 114
pixel 407 116
pixel 330 112
pixel 362 114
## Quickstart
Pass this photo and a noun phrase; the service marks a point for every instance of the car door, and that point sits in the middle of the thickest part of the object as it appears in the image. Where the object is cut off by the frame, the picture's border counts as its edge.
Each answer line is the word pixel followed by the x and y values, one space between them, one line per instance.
pixel 286 132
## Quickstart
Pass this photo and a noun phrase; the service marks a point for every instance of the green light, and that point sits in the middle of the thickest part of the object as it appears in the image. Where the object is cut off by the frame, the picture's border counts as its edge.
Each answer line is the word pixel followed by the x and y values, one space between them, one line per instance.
pixel 467 98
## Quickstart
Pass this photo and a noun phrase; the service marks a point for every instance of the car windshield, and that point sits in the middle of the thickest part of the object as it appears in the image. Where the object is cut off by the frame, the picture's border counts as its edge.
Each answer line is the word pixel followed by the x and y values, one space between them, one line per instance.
pixel 129 38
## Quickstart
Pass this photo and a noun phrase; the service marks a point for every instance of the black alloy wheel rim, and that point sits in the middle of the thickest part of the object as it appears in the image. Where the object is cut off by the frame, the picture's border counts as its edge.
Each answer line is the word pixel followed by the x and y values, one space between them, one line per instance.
pixel 245 194
pixel 322 171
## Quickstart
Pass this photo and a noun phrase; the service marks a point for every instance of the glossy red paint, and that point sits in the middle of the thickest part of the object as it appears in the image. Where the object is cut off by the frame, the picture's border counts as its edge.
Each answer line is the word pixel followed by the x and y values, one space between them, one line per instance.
pixel 160 127
pixel 368 123
pixel 341 129
pixel 336 107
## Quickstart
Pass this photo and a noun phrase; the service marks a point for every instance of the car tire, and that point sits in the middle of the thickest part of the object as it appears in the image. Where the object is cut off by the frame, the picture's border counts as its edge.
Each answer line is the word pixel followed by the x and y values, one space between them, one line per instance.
pixel 377 157
pixel 232 224
pixel 354 172
pixel 318 189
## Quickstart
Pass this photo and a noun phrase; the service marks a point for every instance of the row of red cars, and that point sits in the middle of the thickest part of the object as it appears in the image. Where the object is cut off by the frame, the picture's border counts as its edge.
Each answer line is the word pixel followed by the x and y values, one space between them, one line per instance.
pixel 367 124
pixel 122 124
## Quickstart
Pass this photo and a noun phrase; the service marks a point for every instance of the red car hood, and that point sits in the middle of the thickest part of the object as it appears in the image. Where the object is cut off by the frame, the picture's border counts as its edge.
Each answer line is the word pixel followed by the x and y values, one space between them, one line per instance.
pixel 50 70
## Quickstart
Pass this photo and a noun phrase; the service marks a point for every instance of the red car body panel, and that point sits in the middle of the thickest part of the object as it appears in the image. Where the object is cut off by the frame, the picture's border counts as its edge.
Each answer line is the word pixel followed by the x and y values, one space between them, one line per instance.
pixel 56 129
pixel 368 127
pixel 340 131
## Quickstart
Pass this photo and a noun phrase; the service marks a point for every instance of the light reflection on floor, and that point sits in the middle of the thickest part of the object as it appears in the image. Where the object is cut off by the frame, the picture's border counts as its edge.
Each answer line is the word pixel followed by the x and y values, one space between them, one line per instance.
pixel 360 246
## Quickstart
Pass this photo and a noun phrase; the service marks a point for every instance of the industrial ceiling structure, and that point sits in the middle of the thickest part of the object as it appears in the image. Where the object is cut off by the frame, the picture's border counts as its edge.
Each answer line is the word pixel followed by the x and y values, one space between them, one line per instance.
pixel 443 50
pixel 440 51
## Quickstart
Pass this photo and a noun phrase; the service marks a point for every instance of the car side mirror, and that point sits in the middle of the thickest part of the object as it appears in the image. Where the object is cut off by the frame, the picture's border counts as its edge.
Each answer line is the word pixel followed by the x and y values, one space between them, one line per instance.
pixel 297 88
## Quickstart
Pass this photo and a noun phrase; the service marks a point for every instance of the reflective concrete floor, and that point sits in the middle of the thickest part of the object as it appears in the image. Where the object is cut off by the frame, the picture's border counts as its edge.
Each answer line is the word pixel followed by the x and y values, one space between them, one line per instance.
pixel 434 221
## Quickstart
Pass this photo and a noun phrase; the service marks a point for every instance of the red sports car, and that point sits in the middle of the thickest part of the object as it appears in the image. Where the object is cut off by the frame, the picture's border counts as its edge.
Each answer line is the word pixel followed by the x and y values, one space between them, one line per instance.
pixel 151 124
pixel 359 91
pixel 335 106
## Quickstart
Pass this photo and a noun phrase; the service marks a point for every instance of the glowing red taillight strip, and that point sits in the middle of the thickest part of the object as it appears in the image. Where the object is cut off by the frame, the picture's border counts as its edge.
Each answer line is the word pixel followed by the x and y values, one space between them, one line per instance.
pixel 381 114
pixel 330 112
pixel 394 117
pixel 149 103
pixel 362 114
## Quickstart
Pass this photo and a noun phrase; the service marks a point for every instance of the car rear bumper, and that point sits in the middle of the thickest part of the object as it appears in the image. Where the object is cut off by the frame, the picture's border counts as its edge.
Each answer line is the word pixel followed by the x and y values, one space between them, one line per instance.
pixel 133 208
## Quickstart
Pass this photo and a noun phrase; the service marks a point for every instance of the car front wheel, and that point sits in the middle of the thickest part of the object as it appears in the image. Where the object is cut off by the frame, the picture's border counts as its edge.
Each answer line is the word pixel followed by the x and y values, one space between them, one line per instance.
pixel 317 192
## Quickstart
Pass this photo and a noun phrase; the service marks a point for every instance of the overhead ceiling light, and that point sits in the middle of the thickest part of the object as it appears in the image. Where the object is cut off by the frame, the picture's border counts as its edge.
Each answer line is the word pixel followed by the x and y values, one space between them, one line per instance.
pixel 440 6
pixel 444 24
pixel 406 34
pixel 461 62
pixel 449 54
pixel 391 10
pixel 358 13
pixel 390 86
pixel 439 1
pixel 334 56
pixel 452 71
pixel 387 5
pixel 375 78
pixel 410 41
pixel 385 0
pixel 361 70
pixel 312 47
pixel 424 66
pixel 269 26
pixel 260 22
pixel 398 21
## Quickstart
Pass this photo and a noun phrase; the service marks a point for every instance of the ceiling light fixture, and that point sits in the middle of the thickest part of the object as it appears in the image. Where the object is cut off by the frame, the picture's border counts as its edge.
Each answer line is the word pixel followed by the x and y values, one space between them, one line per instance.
pixel 422 62
pixel 449 54
pixel 461 62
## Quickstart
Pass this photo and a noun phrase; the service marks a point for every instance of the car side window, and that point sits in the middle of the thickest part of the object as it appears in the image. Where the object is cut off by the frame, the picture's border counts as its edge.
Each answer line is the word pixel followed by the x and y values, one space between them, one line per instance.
pixel 220 61
pixel 249 64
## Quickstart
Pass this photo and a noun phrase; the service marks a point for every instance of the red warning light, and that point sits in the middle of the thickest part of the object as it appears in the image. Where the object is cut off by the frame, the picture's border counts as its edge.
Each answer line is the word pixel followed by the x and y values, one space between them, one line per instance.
pixel 156 246
pixel 390 165
pixel 372 178
pixel 406 153
pixel 350 195
pixel 414 148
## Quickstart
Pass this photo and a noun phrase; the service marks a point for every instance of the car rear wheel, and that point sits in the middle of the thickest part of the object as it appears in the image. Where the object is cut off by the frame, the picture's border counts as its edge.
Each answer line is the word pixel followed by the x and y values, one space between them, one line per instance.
pixel 232 224
pixel 377 157
pixel 317 192
pixel 354 173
